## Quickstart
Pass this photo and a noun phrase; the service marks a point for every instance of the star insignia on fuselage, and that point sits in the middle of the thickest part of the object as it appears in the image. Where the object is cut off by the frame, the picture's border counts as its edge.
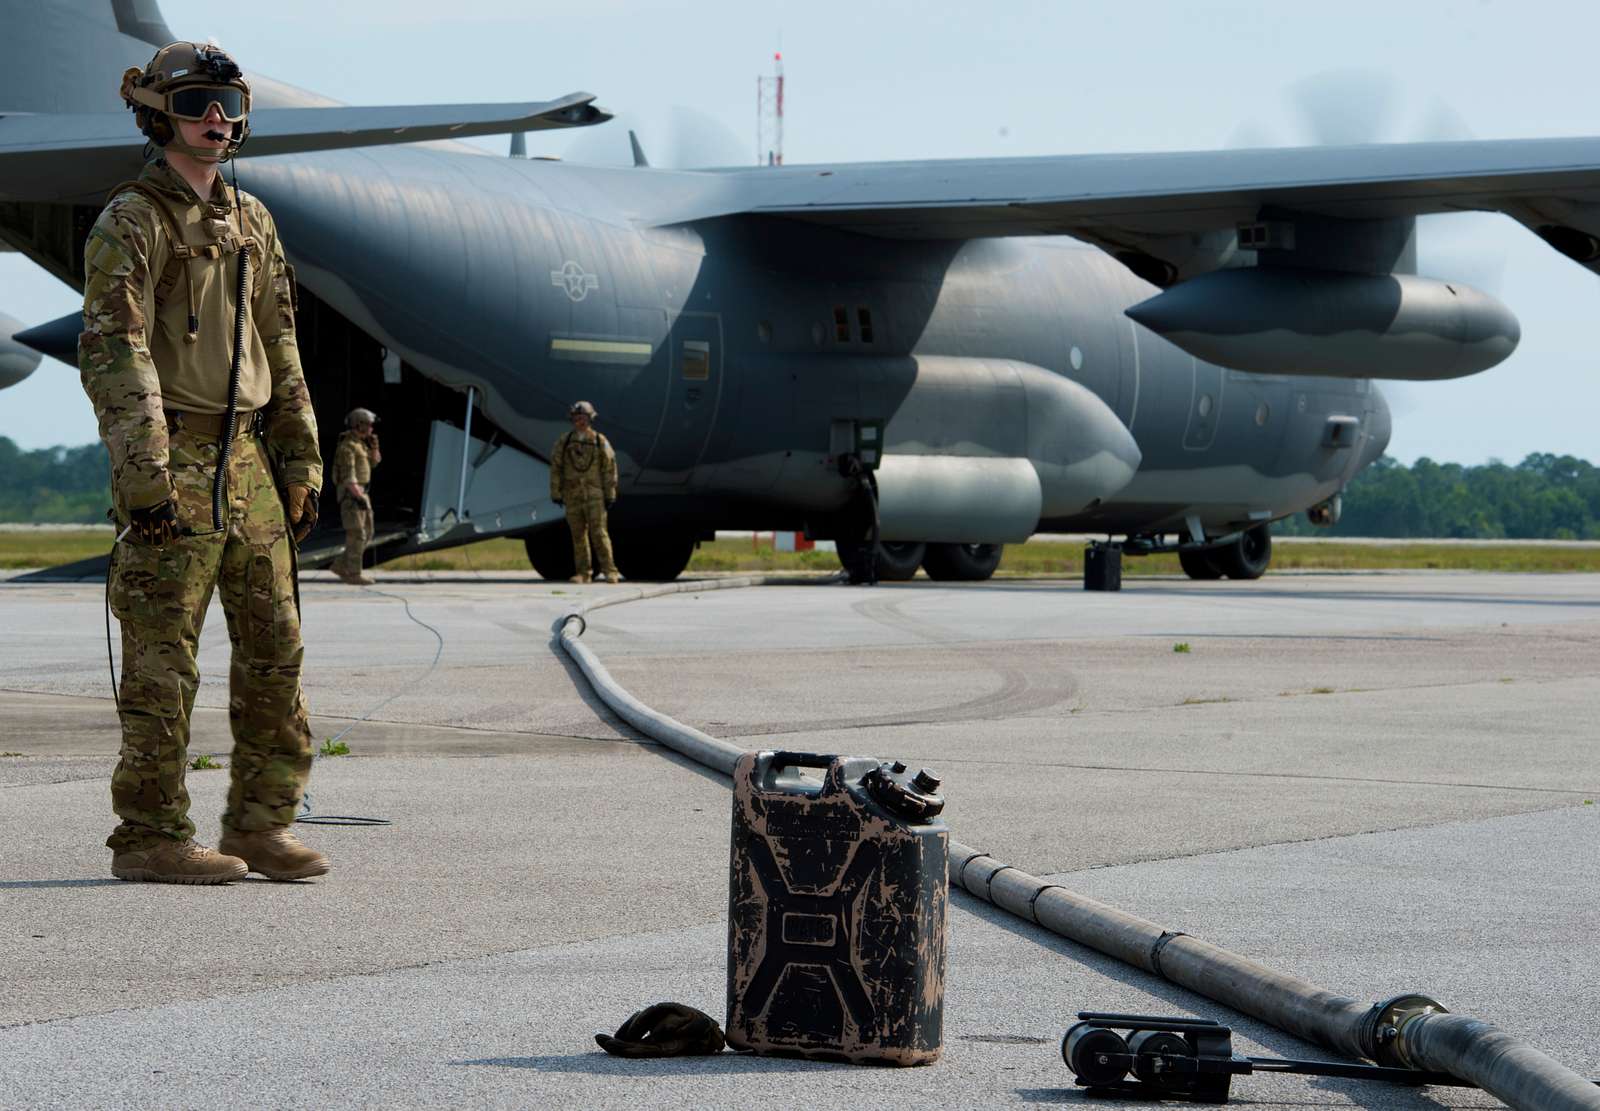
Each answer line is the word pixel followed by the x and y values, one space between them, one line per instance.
pixel 575 280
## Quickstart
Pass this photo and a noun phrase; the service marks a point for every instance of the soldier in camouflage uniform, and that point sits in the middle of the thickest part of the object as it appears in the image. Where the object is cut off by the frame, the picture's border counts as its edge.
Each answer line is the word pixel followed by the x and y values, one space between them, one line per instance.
pixel 353 461
pixel 583 478
pixel 161 270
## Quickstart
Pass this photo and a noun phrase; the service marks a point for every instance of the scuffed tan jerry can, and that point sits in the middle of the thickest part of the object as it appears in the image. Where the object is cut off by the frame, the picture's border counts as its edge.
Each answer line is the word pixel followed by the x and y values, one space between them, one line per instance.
pixel 836 910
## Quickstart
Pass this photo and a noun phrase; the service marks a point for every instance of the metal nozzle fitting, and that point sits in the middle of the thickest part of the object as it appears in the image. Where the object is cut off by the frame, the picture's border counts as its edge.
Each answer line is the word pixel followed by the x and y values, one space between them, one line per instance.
pixel 1383 1031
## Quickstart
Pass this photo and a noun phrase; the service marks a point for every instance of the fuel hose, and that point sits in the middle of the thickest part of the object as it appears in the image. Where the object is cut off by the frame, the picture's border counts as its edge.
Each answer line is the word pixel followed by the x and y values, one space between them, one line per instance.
pixel 1405 1031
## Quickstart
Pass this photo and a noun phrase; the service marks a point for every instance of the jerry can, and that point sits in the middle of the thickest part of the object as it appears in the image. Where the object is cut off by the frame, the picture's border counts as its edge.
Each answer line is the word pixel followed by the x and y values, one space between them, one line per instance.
pixel 836 910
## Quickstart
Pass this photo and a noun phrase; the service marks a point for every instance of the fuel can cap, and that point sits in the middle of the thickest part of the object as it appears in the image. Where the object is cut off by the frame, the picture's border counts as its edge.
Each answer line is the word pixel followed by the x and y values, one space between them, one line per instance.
pixel 913 796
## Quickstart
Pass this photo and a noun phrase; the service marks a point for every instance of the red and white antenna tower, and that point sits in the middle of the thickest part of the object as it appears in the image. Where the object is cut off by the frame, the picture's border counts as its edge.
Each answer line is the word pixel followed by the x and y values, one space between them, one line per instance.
pixel 769 115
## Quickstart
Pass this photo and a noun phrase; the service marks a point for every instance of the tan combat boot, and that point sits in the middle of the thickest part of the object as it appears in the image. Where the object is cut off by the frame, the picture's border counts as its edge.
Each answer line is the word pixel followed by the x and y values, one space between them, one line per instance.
pixel 275 853
pixel 579 579
pixel 613 577
pixel 177 862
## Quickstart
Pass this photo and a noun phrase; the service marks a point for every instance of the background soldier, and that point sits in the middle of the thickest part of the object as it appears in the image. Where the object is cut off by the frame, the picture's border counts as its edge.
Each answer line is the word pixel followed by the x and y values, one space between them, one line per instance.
pixel 583 478
pixel 353 461
pixel 193 477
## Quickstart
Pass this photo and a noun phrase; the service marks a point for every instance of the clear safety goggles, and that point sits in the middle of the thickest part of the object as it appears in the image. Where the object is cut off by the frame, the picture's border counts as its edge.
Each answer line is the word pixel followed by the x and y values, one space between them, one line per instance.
pixel 192 102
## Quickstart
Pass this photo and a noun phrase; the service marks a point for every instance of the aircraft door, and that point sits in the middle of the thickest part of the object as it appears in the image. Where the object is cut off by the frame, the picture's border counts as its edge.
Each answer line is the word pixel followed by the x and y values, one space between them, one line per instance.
pixel 694 389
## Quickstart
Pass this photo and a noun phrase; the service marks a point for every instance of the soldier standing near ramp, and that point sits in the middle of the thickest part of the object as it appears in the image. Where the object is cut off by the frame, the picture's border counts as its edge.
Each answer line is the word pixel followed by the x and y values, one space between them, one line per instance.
pixel 583 478
pixel 353 461
pixel 214 458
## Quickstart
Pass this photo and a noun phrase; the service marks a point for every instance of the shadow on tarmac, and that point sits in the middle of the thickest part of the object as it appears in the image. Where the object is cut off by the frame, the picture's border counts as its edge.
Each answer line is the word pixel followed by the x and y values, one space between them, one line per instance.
pixel 603 1064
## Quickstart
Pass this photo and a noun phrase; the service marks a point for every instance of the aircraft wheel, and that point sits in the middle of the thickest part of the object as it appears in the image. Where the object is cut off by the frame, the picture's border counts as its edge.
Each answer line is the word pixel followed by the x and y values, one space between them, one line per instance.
pixel 650 555
pixel 1247 557
pixel 550 552
pixel 1200 563
pixel 962 562
pixel 898 560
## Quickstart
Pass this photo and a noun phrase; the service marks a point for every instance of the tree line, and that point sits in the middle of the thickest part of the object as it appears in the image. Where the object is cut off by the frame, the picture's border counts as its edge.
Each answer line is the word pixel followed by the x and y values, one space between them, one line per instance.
pixel 1551 497
pixel 54 485
pixel 1544 497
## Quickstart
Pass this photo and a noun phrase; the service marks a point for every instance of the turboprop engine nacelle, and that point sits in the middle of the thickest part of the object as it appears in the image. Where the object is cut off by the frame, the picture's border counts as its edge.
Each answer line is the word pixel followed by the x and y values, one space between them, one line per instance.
pixel 1279 320
pixel 16 360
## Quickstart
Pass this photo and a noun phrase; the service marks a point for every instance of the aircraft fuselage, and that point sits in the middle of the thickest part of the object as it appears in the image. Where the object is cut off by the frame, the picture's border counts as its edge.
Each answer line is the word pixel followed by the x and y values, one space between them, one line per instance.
pixel 724 354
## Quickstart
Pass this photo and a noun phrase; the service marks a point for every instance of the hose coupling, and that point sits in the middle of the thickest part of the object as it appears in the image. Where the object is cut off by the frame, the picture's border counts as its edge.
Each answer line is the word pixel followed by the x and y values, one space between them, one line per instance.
pixel 1383 1030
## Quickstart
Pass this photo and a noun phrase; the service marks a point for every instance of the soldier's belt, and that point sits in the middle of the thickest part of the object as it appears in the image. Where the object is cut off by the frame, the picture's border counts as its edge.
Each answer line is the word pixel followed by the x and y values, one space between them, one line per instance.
pixel 211 424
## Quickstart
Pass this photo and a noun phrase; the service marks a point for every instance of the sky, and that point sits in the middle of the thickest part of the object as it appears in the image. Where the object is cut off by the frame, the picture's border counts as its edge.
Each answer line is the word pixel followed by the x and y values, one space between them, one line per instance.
pixel 874 80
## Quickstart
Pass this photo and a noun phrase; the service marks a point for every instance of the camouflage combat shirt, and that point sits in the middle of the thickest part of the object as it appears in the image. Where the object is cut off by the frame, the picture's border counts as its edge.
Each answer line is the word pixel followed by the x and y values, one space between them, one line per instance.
pixel 583 463
pixel 352 461
pixel 133 357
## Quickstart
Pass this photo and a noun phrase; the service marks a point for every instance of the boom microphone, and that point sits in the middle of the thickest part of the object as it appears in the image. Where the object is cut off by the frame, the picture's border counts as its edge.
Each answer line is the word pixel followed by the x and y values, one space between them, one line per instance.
pixel 216 136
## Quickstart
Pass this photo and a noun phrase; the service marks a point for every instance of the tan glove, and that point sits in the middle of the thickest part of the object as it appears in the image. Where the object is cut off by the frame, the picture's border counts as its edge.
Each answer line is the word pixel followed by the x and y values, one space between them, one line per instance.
pixel 302 511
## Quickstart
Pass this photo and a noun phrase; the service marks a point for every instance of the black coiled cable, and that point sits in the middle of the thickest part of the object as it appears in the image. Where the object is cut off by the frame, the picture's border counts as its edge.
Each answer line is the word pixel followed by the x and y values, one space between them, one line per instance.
pixel 219 484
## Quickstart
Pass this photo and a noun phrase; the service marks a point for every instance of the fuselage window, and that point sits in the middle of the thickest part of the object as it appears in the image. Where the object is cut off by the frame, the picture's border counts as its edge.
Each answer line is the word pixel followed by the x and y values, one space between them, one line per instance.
pixel 864 316
pixel 841 324
pixel 696 359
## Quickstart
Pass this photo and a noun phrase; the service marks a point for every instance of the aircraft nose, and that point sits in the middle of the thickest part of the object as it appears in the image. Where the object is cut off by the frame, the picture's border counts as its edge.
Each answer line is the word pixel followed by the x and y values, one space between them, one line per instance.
pixel 1379 426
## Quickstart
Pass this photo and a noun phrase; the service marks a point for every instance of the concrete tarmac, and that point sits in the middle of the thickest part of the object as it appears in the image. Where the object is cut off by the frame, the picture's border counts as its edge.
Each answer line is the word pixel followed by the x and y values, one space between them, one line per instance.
pixel 1377 782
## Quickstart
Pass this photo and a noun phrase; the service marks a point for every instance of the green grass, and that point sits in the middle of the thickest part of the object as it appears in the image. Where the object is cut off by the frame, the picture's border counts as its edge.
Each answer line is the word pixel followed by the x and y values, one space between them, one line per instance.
pixel 204 763
pixel 1181 647
pixel 55 546
pixel 49 547
pixel 331 747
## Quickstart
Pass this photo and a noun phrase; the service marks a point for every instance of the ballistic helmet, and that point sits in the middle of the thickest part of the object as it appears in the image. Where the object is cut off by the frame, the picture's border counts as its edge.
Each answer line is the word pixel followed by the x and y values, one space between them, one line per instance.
pixel 183 80
pixel 582 407
pixel 360 416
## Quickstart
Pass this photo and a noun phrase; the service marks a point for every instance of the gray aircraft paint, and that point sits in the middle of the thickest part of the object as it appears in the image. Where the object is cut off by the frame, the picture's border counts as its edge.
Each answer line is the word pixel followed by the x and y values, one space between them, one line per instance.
pixel 698 309
pixel 1284 320
pixel 770 288
pixel 17 361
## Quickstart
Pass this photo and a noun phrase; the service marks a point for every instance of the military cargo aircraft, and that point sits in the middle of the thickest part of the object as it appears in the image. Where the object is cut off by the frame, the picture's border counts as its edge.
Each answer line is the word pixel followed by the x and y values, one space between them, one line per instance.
pixel 922 360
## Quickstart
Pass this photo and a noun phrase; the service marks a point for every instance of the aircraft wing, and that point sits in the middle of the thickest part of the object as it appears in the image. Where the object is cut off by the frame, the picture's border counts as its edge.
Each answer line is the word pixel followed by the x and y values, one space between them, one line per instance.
pixel 1176 215
pixel 60 156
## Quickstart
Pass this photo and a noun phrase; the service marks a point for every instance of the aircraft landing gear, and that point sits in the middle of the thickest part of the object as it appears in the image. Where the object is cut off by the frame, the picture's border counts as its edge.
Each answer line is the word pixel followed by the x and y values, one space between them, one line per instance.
pixel 1245 556
pixel 1199 564
pixel 962 562
pixel 550 552
pixel 892 561
pixel 652 555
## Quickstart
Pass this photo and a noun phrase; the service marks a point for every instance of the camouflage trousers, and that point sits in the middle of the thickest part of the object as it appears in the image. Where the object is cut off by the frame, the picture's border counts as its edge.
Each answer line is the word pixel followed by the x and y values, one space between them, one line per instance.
pixel 160 595
pixel 586 519
pixel 357 518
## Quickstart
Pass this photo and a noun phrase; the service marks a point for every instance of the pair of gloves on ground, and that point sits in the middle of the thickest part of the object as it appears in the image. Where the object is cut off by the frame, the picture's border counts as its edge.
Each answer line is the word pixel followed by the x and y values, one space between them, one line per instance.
pixel 158 524
pixel 665 1030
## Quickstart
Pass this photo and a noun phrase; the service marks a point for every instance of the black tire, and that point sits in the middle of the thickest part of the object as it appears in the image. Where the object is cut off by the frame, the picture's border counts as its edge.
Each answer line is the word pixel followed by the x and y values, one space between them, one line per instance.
pixel 550 552
pixel 967 563
pixel 648 555
pixel 897 560
pixel 1200 563
pixel 1247 557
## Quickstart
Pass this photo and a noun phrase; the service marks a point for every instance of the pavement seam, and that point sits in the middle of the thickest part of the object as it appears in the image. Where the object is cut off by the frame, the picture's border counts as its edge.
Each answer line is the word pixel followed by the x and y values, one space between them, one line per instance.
pixel 351 975
pixel 1576 792
pixel 1235 850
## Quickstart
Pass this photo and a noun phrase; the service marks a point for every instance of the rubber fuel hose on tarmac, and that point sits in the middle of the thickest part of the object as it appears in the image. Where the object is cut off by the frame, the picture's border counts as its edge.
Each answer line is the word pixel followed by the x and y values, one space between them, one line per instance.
pixel 1408 1031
